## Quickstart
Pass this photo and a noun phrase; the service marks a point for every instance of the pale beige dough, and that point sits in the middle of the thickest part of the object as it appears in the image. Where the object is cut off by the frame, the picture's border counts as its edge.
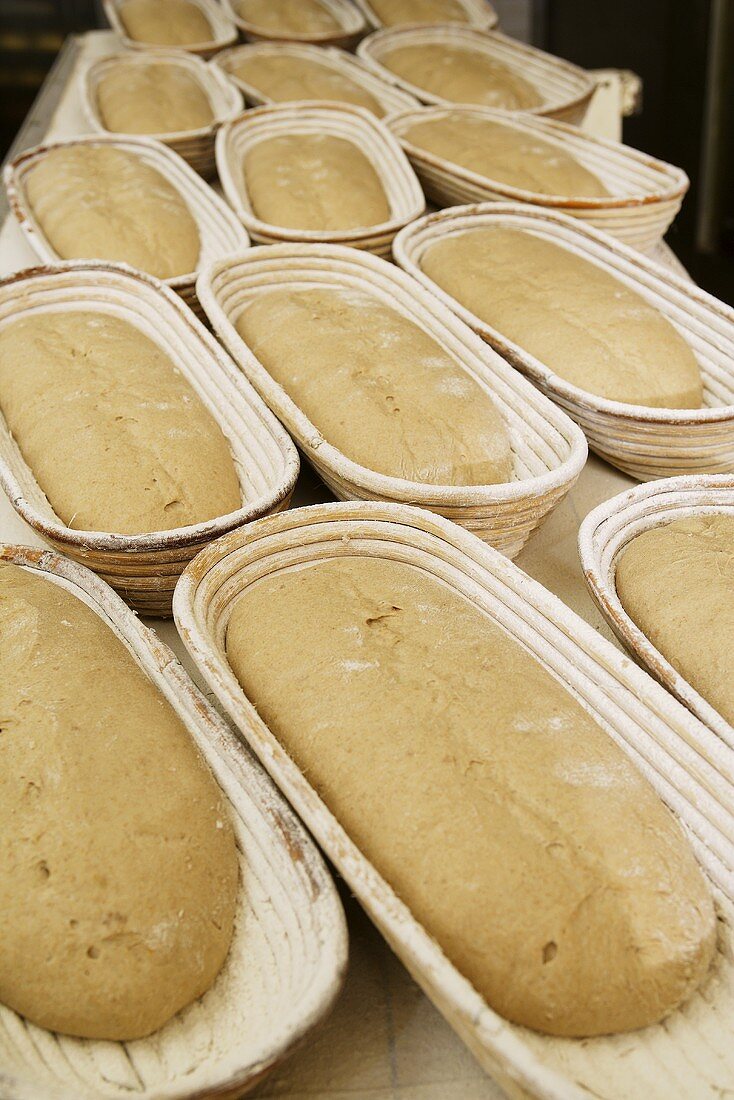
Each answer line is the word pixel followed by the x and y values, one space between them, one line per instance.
pixel 512 826
pixel 578 320
pixel 377 386
pixel 506 155
pixel 115 436
pixel 393 12
pixel 152 98
pixel 98 202
pixel 460 74
pixel 118 866
pixel 676 582
pixel 289 16
pixel 285 78
pixel 314 181
pixel 166 22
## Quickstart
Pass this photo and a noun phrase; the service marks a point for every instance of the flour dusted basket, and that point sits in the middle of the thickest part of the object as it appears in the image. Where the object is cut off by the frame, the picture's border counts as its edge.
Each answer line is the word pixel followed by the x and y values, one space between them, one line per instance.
pixel 219 229
pixel 691 1053
pixel 144 568
pixel 564 88
pixel 390 99
pixel 223 30
pixel 608 529
pixel 549 451
pixel 353 124
pixel 478 13
pixel 195 146
pixel 644 442
pixel 351 26
pixel 289 950
pixel 645 194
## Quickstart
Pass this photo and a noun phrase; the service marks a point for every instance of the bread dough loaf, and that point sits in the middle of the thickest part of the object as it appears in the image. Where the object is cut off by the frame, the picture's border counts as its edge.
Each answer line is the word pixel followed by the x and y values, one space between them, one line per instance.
pixel 283 17
pixel 676 582
pixel 516 831
pixel 460 74
pixel 578 320
pixel 504 154
pixel 377 386
pixel 393 12
pixel 166 22
pixel 154 97
pixel 98 202
pixel 314 181
pixel 283 78
pixel 118 867
pixel 115 436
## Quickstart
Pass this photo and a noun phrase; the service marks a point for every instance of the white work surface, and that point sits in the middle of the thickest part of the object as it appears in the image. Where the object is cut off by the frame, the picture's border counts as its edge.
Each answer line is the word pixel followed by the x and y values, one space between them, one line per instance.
pixel 384 1040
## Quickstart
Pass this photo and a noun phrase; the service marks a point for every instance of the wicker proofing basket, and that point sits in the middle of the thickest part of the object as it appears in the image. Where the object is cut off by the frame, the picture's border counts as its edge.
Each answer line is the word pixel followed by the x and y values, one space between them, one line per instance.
pixel 350 19
pixel 219 229
pixel 549 451
pixel 224 31
pixel 565 89
pixel 391 99
pixel 288 954
pixel 370 136
pixel 692 1052
pixel 145 568
pixel 645 193
pixel 644 442
pixel 479 13
pixel 608 529
pixel 195 146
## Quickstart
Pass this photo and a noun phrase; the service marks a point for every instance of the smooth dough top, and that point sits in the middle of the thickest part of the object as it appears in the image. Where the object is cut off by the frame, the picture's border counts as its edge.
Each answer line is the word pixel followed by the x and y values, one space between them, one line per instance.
pixel 501 153
pixel 377 386
pixel 578 320
pixel 289 16
pixel 460 74
pixel 517 832
pixel 314 181
pixel 152 98
pixel 118 866
pixel 676 582
pixel 96 202
pixel 165 22
pixel 393 12
pixel 284 78
pixel 115 436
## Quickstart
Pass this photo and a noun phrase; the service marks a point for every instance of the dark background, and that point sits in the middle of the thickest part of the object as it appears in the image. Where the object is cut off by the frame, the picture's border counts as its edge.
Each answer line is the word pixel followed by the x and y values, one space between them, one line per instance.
pixel 684 52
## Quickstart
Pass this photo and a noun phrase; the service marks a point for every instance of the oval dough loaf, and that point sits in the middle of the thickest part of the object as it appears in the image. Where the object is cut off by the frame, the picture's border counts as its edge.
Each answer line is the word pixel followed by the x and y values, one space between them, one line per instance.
pixel 393 12
pixel 460 74
pixel 377 386
pixel 165 22
pixel 115 436
pixel 309 17
pixel 118 867
pixel 152 98
pixel 284 78
pixel 676 582
pixel 95 202
pixel 574 317
pixel 517 832
pixel 503 154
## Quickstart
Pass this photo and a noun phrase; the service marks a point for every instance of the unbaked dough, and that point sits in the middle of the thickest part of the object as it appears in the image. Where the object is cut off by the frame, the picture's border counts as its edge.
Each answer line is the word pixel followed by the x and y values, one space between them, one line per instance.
pixel 283 78
pixel 118 866
pixel 461 74
pixel 393 12
pixel 676 582
pixel 154 97
pixel 581 322
pixel 166 22
pixel 314 181
pixel 504 154
pixel 115 436
pixel 283 17
pixel 520 836
pixel 377 386
pixel 99 202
